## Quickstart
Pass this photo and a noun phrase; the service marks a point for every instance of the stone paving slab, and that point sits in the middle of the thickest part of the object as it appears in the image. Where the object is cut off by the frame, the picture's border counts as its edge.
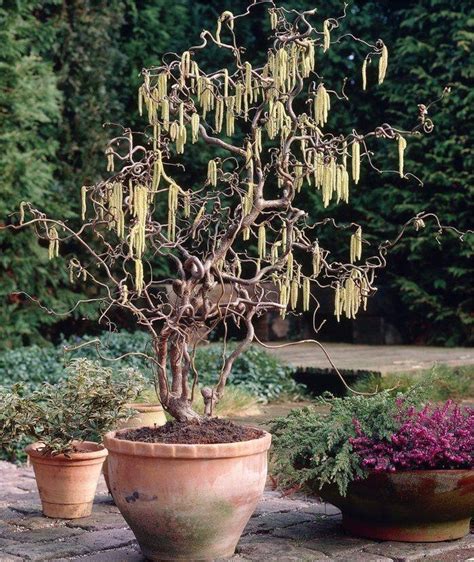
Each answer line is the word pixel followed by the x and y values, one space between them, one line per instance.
pixel 283 529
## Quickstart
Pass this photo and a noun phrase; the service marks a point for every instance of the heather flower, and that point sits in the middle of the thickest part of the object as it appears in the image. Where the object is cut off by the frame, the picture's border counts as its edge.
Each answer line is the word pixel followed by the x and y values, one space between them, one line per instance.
pixel 431 439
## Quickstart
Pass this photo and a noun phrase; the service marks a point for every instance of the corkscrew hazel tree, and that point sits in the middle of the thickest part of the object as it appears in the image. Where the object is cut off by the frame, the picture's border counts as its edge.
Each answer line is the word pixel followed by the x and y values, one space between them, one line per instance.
pixel 247 198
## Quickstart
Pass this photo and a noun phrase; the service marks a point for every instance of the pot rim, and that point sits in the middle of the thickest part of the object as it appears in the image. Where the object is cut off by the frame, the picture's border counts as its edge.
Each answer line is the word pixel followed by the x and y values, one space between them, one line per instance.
pixel 187 451
pixel 97 450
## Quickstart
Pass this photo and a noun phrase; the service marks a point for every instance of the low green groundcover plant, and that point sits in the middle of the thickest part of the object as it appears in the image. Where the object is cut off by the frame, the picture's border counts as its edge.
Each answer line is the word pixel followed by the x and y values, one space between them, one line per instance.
pixel 340 440
pixel 87 402
pixel 441 382
pixel 255 371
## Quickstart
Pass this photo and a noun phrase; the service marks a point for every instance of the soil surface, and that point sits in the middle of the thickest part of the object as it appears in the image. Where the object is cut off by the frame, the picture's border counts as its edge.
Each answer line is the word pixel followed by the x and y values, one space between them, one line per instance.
pixel 206 432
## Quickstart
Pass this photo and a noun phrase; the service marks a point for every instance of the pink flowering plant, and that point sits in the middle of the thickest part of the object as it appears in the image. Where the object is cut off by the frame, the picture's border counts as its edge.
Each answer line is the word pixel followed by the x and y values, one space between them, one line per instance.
pixel 435 438
pixel 340 440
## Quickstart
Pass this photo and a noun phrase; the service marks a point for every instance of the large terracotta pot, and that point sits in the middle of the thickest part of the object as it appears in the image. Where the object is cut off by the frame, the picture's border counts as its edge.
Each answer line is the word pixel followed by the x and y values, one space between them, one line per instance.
pixel 67 484
pixel 146 414
pixel 187 502
pixel 412 506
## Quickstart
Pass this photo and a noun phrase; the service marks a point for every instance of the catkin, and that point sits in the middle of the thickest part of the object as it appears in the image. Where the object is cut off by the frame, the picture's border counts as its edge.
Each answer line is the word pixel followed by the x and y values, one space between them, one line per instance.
pixel 139 276
pixel 327 35
pixel 195 127
pixel 212 172
pixel 83 202
pixel 185 64
pixel 53 248
pixel 322 104
pixel 22 212
pixel 140 100
pixel 165 114
pixel 356 161
pixel 364 75
pixel 110 159
pixel 306 293
pixel 356 245
pixel 337 302
pixel 172 209
pixel 124 294
pixel 402 144
pixel 262 241
pixel 219 116
pixel 248 78
pixel 316 260
pixel 273 19
pixel 383 64
pixel 294 289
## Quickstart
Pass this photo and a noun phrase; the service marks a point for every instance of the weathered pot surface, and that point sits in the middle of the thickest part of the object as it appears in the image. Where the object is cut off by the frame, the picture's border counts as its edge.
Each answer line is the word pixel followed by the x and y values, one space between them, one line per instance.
pixel 67 484
pixel 187 502
pixel 412 506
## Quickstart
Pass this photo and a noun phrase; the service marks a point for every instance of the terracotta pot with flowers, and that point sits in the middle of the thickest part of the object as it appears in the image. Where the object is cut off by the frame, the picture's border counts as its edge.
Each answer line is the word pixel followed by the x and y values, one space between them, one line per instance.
pixel 66 421
pixel 238 243
pixel 397 470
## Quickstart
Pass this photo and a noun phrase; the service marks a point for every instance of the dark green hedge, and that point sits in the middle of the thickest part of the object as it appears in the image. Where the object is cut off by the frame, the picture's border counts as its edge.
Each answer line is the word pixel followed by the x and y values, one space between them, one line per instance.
pixel 256 371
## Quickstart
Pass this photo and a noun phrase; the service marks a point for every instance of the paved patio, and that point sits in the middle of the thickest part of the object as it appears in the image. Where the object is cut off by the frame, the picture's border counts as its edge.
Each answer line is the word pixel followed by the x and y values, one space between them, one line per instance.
pixel 382 359
pixel 297 529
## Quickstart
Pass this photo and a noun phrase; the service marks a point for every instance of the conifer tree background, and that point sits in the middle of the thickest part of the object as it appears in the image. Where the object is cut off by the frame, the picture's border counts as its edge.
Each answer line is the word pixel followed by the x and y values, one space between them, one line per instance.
pixel 68 66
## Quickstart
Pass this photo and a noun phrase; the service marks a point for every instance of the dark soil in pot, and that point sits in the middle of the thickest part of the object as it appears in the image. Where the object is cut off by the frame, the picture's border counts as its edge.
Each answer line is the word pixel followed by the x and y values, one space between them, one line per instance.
pixel 206 432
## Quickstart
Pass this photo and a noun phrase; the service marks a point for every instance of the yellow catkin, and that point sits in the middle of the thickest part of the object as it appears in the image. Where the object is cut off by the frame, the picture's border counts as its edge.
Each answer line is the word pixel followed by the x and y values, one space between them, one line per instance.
pixel 337 302
pixel 172 209
pixel 139 276
pixel 356 245
pixel 262 241
pixel 306 293
pixel 212 172
pixel 140 100
pixel 162 86
pixel 322 104
pixel 83 202
pixel 22 212
pixel 248 78
pixel 327 35
pixel 273 19
pixel 185 64
pixel 356 161
pixel 157 171
pixel 364 75
pixel 402 144
pixel 165 114
pixel 383 64
pixel 140 210
pixel 197 219
pixel 53 248
pixel 110 159
pixel 316 260
pixel 124 294
pixel 230 116
pixel 247 203
pixel 219 116
pixel 294 290
pixel 195 127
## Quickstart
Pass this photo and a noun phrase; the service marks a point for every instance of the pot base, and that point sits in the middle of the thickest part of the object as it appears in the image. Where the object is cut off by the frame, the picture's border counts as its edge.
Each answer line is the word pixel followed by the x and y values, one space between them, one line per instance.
pixel 67 511
pixel 415 532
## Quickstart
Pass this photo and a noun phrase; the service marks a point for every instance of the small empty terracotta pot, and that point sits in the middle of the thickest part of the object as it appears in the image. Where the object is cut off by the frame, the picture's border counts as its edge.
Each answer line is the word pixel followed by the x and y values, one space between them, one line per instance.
pixel 67 484
pixel 146 414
